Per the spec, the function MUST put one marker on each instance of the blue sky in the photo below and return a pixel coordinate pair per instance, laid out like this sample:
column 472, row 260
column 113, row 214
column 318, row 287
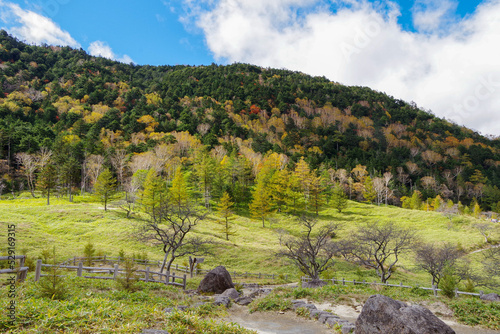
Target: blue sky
column 440, row 54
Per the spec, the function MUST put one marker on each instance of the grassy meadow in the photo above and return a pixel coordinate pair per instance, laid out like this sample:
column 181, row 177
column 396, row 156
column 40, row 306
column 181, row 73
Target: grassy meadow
column 92, row 306
column 70, row 226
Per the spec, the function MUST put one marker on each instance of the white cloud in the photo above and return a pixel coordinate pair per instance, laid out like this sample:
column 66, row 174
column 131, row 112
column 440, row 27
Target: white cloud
column 445, row 66
column 102, row 49
column 33, row 27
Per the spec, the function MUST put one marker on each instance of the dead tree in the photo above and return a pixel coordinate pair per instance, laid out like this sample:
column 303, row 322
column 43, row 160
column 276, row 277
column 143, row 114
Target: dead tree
column 378, row 246
column 434, row 258
column 313, row 251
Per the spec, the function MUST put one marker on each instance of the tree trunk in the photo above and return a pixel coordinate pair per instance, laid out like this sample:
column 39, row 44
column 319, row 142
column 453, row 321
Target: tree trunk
column 164, row 262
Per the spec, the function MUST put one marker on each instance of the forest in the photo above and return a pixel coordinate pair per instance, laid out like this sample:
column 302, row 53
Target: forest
column 259, row 138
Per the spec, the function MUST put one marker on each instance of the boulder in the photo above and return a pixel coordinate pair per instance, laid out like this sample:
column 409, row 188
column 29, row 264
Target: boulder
column 217, row 280
column 492, row 297
column 382, row 314
column 314, row 284
column 231, row 293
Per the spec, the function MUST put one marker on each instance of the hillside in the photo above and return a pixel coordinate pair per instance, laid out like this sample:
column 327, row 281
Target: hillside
column 79, row 106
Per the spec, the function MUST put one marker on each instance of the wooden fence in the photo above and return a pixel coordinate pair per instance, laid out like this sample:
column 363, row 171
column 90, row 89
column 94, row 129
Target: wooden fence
column 185, row 269
column 21, row 271
column 149, row 276
column 400, row 285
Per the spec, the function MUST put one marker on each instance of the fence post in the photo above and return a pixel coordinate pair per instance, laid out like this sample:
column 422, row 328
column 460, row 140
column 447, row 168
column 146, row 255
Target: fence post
column 481, row 293
column 273, row 276
column 259, row 275
column 176, row 266
column 343, row 281
column 400, row 284
column 104, row 259
column 456, row 292
column 147, row 275
column 184, row 282
column 286, row 277
column 434, row 288
column 173, row 277
column 333, row 281
column 38, row 270
column 74, row 260
column 80, row 269
column 115, row 274
column 364, row 282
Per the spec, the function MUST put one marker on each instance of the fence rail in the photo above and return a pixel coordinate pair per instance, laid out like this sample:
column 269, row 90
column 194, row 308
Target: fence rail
column 185, row 269
column 400, row 285
column 21, row 271
column 149, row 276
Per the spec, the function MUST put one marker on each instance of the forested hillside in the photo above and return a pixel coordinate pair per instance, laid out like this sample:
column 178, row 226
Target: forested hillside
column 249, row 131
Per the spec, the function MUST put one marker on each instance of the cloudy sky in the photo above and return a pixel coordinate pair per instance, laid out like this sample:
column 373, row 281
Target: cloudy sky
column 442, row 54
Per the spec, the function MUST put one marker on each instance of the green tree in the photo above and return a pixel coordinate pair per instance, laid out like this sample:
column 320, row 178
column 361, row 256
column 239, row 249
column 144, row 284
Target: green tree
column 47, row 180
column 178, row 192
column 224, row 208
column 261, row 206
column 339, row 198
column 369, row 192
column 105, row 187
column 153, row 193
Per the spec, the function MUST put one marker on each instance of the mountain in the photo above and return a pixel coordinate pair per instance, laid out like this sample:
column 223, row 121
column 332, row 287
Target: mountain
column 77, row 105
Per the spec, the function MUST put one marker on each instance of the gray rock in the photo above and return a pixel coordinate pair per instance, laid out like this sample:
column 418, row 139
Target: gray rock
column 348, row 328
column 492, row 297
column 231, row 293
column 217, row 280
column 169, row 310
column 314, row 284
column 243, row 300
column 154, row 331
column 220, row 300
column 382, row 314
column 316, row 313
column 323, row 317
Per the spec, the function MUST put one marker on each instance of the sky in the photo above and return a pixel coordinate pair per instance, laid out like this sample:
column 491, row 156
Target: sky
column 444, row 55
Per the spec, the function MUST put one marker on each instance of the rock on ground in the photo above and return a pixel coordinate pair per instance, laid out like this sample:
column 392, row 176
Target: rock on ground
column 385, row 315
column 492, row 297
column 217, row 281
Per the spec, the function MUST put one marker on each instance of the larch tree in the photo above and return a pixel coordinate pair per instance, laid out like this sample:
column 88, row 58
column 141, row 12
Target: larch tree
column 261, row 205
column 47, row 180
column 339, row 198
column 105, row 187
column 225, row 210
column 29, row 166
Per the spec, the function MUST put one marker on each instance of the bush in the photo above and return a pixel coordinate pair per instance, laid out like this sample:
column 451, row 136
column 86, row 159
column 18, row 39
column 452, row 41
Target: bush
column 53, row 286
column 128, row 282
column 89, row 252
column 448, row 282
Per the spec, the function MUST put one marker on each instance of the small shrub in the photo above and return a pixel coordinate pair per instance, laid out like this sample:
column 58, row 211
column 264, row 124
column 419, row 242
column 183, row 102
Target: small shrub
column 238, row 287
column 129, row 281
column 121, row 254
column 469, row 286
column 448, row 282
column 53, row 286
column 89, row 252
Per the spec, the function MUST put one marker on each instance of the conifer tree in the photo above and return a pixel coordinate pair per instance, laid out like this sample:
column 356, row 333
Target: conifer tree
column 224, row 208
column 178, row 192
column 339, row 198
column 105, row 187
column 369, row 192
column 47, row 180
column 154, row 192
column 260, row 207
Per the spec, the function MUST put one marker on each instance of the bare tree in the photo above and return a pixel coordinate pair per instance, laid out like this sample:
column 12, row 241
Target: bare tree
column 170, row 225
column 28, row 161
column 434, row 258
column 119, row 162
column 131, row 187
column 93, row 168
column 485, row 229
column 378, row 246
column 313, row 251
column 491, row 261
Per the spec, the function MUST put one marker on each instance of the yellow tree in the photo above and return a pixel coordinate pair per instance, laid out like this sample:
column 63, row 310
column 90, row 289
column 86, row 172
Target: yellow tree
column 260, row 207
column 225, row 210
column 317, row 197
column 369, row 192
column 178, row 194
column 279, row 185
column 154, row 193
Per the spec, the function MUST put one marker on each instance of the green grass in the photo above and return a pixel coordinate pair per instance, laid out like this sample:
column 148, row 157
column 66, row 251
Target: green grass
column 96, row 306
column 70, row 226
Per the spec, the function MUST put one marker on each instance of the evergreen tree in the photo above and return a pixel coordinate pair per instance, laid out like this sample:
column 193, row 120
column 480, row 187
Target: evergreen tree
column 339, row 198
column 369, row 192
column 224, row 208
column 105, row 187
column 154, row 192
column 47, row 180
column 178, row 192
column 260, row 207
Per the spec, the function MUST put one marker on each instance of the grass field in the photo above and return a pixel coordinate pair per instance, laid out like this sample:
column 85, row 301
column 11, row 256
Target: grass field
column 95, row 306
column 70, row 226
